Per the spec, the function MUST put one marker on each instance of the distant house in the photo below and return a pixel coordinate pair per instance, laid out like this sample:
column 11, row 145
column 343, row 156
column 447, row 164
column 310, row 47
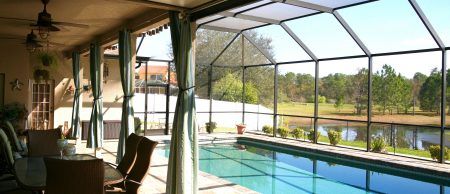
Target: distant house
column 156, row 78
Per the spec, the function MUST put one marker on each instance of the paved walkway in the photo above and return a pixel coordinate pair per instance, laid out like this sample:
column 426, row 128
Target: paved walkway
column 155, row 181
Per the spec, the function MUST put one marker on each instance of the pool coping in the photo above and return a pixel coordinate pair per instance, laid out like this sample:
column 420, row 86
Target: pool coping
column 426, row 167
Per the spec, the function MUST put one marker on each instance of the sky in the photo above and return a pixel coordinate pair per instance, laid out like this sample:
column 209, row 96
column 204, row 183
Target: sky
column 383, row 26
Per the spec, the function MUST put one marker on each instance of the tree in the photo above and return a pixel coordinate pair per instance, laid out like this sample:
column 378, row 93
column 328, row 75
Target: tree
column 305, row 87
column 417, row 82
column 210, row 43
column 334, row 87
column 384, row 88
column 229, row 88
column 404, row 93
column 359, row 89
column 430, row 92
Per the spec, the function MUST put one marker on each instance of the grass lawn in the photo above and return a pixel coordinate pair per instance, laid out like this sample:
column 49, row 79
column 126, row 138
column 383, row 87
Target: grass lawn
column 362, row 144
column 348, row 112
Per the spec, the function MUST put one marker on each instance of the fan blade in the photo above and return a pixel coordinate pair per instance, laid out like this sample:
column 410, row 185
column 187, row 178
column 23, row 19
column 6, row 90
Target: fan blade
column 51, row 43
column 70, row 24
column 17, row 19
column 51, row 28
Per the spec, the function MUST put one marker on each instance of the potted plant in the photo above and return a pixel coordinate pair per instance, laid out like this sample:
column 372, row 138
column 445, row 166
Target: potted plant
column 267, row 129
column 311, row 135
column 435, row 152
column 334, row 136
column 41, row 74
column 379, row 145
column 210, row 126
column 47, row 59
column 283, row 131
column 13, row 112
column 241, row 128
column 297, row 133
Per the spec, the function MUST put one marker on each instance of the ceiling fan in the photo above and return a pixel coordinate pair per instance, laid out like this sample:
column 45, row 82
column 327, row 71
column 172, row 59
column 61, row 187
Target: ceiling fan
column 32, row 43
column 44, row 24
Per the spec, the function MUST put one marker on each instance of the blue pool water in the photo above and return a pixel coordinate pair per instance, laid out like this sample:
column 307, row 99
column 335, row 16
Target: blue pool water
column 267, row 171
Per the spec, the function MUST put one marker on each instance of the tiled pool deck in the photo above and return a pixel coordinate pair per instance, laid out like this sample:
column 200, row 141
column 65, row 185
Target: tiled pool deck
column 155, row 181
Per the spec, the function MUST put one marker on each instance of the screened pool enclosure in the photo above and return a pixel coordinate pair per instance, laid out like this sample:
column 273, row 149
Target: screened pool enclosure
column 368, row 69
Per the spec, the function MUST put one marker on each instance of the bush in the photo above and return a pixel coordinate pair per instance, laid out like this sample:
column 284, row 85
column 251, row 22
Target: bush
column 435, row 152
column 311, row 135
column 267, row 129
column 379, row 144
column 297, row 133
column 321, row 99
column 334, row 136
column 283, row 131
column 210, row 126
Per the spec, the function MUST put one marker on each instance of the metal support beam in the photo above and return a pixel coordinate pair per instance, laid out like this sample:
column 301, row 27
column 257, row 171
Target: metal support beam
column 263, row 51
column 316, row 100
column 210, row 71
column 369, row 103
column 249, row 17
column 225, row 48
column 166, row 129
column 351, row 33
column 243, row 94
column 443, row 103
column 299, row 42
column 140, row 43
column 243, row 77
column 307, row 5
column 275, row 101
column 146, row 98
column 222, row 29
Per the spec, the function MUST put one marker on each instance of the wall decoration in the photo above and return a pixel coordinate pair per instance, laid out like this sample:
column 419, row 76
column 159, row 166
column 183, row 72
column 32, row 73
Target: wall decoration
column 16, row 84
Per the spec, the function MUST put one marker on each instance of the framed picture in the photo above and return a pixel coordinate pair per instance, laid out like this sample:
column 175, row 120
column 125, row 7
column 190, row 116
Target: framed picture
column 2, row 89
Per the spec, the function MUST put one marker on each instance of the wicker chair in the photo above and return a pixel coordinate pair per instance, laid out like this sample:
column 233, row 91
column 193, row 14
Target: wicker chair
column 12, row 135
column 74, row 176
column 6, row 150
column 130, row 154
column 8, row 183
column 43, row 142
column 134, row 179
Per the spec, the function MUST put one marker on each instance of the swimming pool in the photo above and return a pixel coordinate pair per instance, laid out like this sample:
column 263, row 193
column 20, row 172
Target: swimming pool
column 271, row 170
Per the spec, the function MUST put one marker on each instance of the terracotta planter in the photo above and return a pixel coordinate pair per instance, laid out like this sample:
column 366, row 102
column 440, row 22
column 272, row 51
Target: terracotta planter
column 240, row 128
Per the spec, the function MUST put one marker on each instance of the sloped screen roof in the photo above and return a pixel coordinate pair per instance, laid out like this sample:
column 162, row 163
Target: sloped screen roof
column 347, row 24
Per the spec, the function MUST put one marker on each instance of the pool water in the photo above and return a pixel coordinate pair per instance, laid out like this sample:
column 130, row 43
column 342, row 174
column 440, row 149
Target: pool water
column 266, row 170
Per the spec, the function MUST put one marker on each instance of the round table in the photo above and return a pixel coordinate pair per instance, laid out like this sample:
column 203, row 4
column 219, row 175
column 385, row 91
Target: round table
column 31, row 172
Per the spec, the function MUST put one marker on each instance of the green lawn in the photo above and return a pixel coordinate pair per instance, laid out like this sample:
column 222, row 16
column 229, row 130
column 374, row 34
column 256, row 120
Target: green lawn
column 362, row 145
column 307, row 109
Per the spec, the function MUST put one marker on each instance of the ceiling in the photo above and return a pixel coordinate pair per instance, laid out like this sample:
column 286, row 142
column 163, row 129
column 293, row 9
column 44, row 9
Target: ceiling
column 102, row 16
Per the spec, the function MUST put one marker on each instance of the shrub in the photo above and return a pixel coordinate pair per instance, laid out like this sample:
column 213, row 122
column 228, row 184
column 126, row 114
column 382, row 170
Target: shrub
column 435, row 152
column 379, row 144
column 283, row 131
column 311, row 135
column 334, row 136
column 210, row 126
column 267, row 129
column 297, row 133
column 322, row 99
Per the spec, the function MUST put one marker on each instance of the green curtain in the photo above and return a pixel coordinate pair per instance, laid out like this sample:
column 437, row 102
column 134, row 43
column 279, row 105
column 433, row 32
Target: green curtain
column 75, row 125
column 127, row 78
column 95, row 133
column 183, row 158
